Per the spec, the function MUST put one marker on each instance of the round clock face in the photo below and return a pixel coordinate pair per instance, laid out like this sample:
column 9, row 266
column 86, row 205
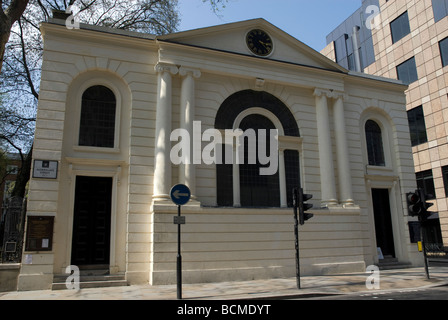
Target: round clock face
column 259, row 42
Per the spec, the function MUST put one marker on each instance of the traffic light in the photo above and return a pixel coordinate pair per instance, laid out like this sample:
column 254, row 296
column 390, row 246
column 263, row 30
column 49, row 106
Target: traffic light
column 425, row 214
column 303, row 206
column 415, row 205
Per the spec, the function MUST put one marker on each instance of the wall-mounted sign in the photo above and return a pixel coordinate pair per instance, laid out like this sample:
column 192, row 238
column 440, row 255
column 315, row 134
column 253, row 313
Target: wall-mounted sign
column 10, row 246
column 45, row 169
column 39, row 233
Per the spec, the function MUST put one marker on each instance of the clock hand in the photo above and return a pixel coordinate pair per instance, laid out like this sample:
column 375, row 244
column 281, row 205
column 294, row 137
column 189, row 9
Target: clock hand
column 262, row 43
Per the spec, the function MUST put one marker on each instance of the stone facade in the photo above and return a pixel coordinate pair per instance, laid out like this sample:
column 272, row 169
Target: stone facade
column 167, row 82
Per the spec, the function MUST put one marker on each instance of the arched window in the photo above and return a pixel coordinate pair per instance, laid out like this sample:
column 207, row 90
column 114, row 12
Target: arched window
column 256, row 110
column 97, row 125
column 374, row 141
column 257, row 190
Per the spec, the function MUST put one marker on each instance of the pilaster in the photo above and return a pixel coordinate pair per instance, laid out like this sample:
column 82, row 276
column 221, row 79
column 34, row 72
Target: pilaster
column 162, row 164
column 187, row 171
column 343, row 162
column 327, row 178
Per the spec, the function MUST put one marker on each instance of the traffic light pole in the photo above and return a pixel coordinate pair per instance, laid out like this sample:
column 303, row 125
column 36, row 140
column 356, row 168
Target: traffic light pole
column 296, row 234
column 425, row 258
column 300, row 217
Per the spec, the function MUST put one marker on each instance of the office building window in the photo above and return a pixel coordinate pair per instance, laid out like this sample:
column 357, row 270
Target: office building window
column 407, row 71
column 417, row 126
column 443, row 45
column 440, row 9
column 350, row 53
column 445, row 179
column 400, row 27
column 425, row 181
column 340, row 46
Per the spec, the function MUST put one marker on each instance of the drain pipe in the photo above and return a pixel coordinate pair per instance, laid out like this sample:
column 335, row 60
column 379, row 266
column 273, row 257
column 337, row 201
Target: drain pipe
column 355, row 43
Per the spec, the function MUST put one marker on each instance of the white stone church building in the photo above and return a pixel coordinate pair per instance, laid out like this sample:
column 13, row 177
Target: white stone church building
column 102, row 171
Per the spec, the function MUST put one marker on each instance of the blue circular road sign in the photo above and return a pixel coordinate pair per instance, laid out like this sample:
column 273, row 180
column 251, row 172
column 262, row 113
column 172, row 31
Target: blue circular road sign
column 180, row 194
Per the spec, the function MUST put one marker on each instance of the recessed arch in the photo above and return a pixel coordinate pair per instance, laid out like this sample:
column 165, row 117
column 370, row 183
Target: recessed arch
column 242, row 100
column 113, row 160
column 386, row 126
column 82, row 82
column 234, row 111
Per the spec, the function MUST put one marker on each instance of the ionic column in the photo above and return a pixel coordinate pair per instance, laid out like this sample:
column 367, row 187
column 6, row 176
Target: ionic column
column 162, row 163
column 187, row 172
column 325, row 150
column 345, row 179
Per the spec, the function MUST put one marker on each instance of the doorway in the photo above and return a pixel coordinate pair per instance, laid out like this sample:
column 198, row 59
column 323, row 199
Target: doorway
column 92, row 222
column 383, row 222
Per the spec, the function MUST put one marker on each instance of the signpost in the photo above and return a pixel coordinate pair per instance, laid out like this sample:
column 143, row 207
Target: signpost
column 180, row 194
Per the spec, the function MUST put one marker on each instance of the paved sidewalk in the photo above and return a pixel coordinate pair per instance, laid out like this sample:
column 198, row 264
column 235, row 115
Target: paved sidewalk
column 274, row 289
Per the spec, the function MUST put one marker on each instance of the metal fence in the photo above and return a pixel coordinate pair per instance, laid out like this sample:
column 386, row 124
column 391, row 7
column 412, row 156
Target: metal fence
column 13, row 224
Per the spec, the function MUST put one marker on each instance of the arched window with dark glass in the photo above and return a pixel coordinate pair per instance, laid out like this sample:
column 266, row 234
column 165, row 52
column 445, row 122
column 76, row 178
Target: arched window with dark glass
column 253, row 189
column 97, row 125
column 374, row 141
column 257, row 190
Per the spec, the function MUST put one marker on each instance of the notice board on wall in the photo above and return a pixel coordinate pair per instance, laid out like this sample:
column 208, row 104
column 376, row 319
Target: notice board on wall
column 39, row 233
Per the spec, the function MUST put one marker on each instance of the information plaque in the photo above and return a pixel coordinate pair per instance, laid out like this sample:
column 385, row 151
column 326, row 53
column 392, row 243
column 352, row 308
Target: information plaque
column 45, row 169
column 39, row 233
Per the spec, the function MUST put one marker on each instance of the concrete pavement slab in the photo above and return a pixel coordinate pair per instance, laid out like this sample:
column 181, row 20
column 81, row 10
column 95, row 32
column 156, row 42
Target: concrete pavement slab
column 242, row 290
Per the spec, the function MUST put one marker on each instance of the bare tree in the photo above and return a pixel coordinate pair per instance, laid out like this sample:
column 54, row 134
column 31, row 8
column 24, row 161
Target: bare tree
column 22, row 54
column 10, row 12
column 20, row 75
column 216, row 5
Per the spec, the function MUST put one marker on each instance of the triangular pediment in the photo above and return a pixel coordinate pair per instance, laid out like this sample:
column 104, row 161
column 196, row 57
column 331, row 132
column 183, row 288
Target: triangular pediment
column 232, row 38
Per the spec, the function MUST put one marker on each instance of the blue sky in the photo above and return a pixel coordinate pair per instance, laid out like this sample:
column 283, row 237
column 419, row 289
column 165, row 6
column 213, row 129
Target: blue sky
column 310, row 21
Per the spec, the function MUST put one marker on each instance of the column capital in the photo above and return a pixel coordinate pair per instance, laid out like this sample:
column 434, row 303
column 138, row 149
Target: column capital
column 330, row 93
column 319, row 92
column 166, row 67
column 183, row 71
column 335, row 94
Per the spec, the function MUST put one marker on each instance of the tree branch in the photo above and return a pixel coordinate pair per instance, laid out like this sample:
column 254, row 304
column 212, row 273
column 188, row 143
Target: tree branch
column 16, row 9
column 25, row 64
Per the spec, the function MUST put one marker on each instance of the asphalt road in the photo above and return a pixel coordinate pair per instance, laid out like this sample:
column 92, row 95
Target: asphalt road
column 431, row 293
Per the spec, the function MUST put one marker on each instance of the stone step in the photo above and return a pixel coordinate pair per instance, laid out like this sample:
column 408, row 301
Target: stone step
column 91, row 281
column 392, row 263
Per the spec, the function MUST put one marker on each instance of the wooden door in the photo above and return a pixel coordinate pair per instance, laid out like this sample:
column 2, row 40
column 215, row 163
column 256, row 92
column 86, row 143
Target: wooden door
column 92, row 217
